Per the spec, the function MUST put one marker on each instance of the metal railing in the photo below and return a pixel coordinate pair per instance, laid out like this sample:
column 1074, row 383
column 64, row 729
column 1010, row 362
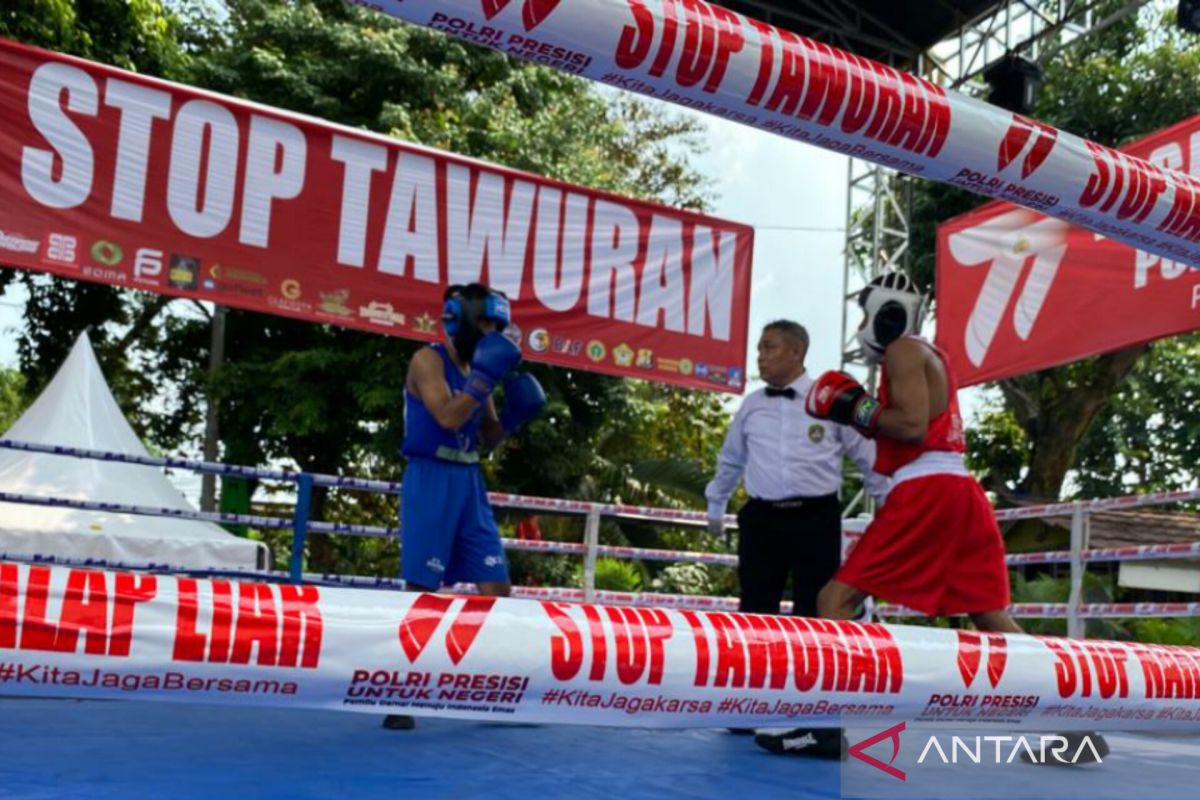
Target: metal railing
column 302, row 524
column 1077, row 556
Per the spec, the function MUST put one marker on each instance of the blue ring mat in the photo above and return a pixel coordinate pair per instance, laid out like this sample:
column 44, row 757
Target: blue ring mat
column 131, row 750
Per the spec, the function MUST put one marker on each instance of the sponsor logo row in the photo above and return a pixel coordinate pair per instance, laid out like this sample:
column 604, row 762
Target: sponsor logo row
column 540, row 340
column 153, row 268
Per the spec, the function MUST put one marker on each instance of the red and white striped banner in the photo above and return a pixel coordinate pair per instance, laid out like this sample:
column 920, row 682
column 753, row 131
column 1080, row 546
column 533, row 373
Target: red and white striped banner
column 710, row 59
column 93, row 634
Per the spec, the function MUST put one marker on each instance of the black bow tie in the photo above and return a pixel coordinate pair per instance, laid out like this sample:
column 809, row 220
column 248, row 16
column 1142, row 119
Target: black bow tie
column 789, row 392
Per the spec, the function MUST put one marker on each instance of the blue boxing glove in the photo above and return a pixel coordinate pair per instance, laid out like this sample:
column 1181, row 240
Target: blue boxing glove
column 494, row 356
column 524, row 399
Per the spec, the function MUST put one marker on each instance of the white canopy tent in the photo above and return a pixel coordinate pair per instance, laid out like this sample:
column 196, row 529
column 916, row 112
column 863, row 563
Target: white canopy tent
column 77, row 409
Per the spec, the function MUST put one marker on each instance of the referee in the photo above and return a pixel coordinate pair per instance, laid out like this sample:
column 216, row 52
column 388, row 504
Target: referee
column 793, row 470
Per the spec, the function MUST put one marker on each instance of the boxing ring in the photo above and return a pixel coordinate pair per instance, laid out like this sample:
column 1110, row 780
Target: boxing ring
column 262, row 666
column 137, row 748
column 590, row 548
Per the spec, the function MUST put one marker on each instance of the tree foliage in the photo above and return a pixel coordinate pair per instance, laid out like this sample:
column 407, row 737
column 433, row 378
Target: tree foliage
column 12, row 402
column 138, row 35
column 329, row 399
column 333, row 397
column 1149, row 437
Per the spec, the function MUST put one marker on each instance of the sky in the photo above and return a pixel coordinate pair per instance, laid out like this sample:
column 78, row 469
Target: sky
column 11, row 305
column 795, row 197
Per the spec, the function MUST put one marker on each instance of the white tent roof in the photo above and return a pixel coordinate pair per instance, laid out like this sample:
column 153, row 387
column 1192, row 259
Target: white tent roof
column 77, row 409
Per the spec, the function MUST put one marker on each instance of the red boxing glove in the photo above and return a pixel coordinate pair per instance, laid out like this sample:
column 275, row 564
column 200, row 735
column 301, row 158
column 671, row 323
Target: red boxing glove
column 838, row 397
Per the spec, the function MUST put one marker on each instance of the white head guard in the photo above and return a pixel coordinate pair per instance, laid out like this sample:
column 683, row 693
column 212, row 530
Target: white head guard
column 894, row 307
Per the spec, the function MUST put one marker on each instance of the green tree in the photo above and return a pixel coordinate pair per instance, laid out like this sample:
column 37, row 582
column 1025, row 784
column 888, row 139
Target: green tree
column 329, row 399
column 1122, row 83
column 1149, row 435
column 12, row 400
column 139, row 35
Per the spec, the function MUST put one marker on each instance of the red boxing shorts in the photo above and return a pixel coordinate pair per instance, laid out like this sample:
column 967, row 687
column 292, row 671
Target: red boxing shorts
column 934, row 547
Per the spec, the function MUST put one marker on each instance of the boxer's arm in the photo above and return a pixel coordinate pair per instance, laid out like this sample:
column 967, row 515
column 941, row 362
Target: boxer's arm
column 491, row 431
column 731, row 463
column 906, row 416
column 426, row 381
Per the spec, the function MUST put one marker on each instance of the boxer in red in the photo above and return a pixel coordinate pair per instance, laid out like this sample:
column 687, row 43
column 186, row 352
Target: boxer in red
column 934, row 545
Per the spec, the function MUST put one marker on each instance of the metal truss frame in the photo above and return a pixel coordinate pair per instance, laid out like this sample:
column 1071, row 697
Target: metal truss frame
column 877, row 199
column 877, row 237
column 841, row 23
column 1035, row 30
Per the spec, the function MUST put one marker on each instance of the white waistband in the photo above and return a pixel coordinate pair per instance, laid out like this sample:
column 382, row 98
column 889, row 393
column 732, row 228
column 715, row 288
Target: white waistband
column 935, row 462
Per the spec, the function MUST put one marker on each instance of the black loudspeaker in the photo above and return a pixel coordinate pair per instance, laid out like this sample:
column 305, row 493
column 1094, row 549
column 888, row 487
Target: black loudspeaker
column 1014, row 82
column 1189, row 15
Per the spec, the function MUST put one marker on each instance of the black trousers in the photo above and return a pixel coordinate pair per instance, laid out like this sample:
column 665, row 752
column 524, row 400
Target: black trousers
column 802, row 537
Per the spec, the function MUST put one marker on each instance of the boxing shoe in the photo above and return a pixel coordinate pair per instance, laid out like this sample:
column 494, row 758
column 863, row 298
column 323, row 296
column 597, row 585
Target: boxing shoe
column 828, row 743
column 399, row 722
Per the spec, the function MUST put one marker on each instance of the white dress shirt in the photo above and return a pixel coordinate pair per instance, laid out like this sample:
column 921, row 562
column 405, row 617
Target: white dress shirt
column 786, row 453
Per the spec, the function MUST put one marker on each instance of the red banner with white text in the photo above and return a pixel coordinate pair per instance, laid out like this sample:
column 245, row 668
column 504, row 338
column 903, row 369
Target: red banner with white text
column 117, row 178
column 1019, row 291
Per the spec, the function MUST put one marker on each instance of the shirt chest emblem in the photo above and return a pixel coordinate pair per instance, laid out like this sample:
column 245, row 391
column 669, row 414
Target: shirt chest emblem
column 816, row 433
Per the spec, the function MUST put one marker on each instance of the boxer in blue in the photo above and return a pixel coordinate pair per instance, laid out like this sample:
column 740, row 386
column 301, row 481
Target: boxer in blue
column 447, row 531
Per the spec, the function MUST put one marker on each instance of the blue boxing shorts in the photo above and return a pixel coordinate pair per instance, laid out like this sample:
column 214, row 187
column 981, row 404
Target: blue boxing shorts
column 447, row 532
